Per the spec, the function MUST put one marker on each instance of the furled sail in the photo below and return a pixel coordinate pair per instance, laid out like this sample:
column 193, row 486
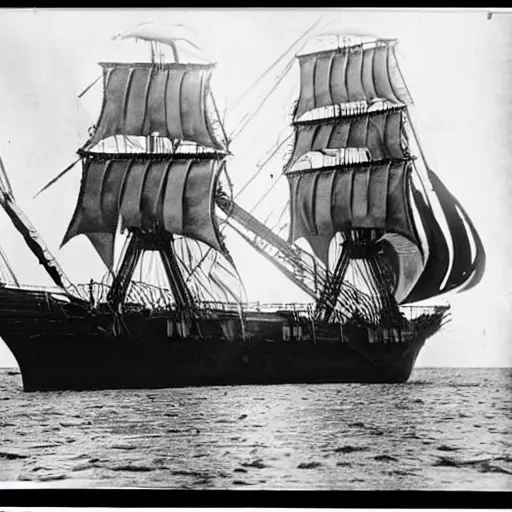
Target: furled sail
column 351, row 73
column 168, row 194
column 170, row 100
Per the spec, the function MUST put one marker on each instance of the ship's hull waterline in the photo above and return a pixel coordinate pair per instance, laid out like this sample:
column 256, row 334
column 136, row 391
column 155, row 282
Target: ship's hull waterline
column 60, row 345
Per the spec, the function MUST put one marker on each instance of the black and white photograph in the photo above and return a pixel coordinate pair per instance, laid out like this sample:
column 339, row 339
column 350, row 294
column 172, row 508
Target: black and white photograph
column 256, row 249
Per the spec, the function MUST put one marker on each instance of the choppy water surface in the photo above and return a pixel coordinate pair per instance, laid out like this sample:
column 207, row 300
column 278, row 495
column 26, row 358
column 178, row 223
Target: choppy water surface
column 444, row 429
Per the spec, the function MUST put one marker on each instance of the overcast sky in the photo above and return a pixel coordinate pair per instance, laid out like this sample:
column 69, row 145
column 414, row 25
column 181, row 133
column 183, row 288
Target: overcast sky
column 457, row 66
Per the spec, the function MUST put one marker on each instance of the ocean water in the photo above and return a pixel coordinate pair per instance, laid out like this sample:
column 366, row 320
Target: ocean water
column 446, row 429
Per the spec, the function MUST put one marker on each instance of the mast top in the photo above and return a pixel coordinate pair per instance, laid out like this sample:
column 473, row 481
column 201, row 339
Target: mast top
column 336, row 35
column 343, row 45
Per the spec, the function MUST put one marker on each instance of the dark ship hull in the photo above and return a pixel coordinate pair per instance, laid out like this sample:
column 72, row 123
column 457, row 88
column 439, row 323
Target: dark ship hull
column 64, row 345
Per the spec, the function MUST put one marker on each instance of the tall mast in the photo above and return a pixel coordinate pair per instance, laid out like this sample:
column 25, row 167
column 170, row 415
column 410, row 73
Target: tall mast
column 165, row 190
column 351, row 172
column 348, row 172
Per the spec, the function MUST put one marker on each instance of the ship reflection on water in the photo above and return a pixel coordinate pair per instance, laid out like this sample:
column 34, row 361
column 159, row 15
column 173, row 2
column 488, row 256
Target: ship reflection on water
column 443, row 430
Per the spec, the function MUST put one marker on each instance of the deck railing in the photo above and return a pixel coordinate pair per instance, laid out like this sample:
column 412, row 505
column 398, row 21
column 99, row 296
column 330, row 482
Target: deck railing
column 148, row 296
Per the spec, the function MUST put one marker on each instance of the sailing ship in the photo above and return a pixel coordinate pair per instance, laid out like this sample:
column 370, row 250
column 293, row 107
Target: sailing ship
column 371, row 231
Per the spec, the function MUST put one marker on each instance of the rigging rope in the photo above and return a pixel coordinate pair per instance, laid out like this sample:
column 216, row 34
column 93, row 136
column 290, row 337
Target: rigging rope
column 276, row 181
column 217, row 113
column 196, row 281
column 261, row 166
column 275, row 63
column 4, row 179
column 58, row 177
column 89, row 87
column 246, row 120
column 7, row 272
column 267, row 218
column 281, row 215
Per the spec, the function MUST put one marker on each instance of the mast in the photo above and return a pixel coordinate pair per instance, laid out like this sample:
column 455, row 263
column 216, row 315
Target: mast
column 351, row 172
column 167, row 188
column 348, row 170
